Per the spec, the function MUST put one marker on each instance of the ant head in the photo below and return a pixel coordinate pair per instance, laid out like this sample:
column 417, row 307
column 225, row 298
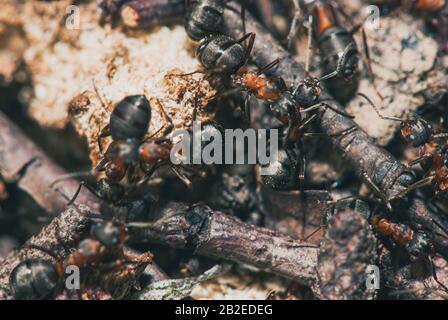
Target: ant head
column 307, row 92
column 108, row 233
column 283, row 107
column 416, row 131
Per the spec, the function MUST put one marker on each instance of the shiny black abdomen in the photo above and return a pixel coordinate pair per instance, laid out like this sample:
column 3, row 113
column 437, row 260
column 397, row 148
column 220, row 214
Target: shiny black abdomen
column 130, row 118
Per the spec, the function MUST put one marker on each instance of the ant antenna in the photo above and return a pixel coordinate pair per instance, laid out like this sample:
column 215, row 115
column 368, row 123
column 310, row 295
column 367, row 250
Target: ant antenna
column 70, row 176
column 339, row 66
column 376, row 109
column 310, row 40
column 295, row 25
column 103, row 104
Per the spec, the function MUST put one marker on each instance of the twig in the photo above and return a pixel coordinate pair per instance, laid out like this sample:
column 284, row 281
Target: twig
column 23, row 162
column 213, row 233
column 145, row 13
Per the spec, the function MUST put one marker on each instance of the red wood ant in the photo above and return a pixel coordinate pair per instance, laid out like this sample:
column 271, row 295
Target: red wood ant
column 337, row 46
column 417, row 244
column 129, row 122
column 42, row 279
column 417, row 132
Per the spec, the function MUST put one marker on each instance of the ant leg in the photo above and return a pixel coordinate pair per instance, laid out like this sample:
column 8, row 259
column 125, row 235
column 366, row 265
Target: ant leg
column 296, row 25
column 148, row 174
column 101, row 165
column 434, row 274
column 182, row 75
column 310, row 44
column 105, row 132
column 167, row 119
column 376, row 190
column 369, row 62
column 103, row 103
column 323, row 134
column 268, row 66
column 313, row 232
column 324, row 105
column 25, row 167
column 424, row 157
column 281, row 83
column 419, row 184
column 247, row 106
column 182, row 177
column 307, row 122
column 250, row 46
column 81, row 184
column 293, row 124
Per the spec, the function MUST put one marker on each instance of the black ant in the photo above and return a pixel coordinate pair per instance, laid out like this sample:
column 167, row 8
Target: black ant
column 336, row 45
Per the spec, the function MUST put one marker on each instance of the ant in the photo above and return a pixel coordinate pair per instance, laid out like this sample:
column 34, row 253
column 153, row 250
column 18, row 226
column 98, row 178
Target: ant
column 417, row 132
column 337, row 45
column 418, row 245
column 43, row 279
column 128, row 124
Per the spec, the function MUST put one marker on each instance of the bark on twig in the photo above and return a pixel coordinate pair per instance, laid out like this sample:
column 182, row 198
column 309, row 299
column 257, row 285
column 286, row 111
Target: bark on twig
column 23, row 162
column 213, row 233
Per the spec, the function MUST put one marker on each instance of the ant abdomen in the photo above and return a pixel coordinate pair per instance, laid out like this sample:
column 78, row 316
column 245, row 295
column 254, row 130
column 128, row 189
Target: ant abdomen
column 221, row 53
column 130, row 118
column 34, row 279
column 282, row 174
column 204, row 18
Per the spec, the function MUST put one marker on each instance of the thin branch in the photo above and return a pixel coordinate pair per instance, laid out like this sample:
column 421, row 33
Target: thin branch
column 213, row 233
column 23, row 162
